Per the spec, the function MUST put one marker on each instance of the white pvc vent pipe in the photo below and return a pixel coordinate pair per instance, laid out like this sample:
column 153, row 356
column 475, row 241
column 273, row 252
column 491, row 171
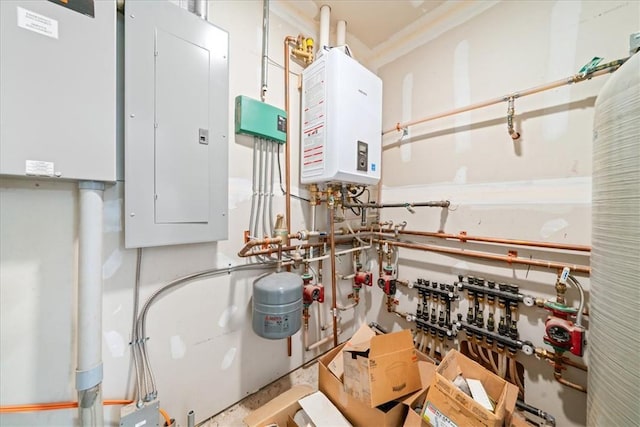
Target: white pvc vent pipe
column 341, row 33
column 614, row 330
column 89, row 321
column 325, row 20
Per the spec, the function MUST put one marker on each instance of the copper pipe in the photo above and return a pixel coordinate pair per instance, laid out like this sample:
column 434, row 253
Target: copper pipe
column 270, row 251
column 287, row 144
column 244, row 252
column 334, row 285
column 502, row 258
column 287, row 151
column 463, row 238
column 558, row 377
column 577, row 365
column 548, row 86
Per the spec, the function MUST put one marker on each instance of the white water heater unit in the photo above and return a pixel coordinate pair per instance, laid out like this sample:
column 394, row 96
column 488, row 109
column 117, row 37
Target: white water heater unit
column 341, row 121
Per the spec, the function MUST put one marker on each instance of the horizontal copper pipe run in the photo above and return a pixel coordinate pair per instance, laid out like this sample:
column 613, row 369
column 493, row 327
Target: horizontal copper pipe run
column 564, row 382
column 244, row 252
column 605, row 69
column 481, row 255
column 463, row 238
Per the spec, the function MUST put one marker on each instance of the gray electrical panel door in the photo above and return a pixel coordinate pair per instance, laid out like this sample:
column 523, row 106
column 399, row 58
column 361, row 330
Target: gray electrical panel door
column 58, row 89
column 176, row 113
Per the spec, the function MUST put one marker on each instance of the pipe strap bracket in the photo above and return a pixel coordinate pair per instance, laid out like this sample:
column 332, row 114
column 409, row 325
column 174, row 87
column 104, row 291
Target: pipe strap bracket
column 91, row 185
column 89, row 378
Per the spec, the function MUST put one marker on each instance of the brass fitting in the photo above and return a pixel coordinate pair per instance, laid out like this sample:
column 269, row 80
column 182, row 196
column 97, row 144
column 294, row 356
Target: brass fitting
column 561, row 290
column 315, row 195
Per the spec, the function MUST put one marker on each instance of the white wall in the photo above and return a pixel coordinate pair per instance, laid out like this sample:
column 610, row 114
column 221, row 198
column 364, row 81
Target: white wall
column 205, row 355
column 538, row 188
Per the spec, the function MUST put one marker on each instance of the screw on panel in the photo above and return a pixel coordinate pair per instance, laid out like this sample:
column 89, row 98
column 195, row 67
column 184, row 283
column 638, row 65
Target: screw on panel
column 132, row 115
column 132, row 214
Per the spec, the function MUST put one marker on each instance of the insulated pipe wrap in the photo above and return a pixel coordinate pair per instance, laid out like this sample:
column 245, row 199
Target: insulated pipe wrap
column 614, row 333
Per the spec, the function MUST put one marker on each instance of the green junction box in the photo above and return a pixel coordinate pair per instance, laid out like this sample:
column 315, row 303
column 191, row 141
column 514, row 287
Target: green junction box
column 260, row 119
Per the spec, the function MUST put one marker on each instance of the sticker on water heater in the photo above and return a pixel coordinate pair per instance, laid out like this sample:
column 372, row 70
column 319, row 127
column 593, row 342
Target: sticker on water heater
column 37, row 23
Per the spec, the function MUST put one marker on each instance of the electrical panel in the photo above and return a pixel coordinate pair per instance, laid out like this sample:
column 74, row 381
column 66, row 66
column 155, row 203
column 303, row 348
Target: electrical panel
column 341, row 121
column 58, row 89
column 176, row 130
column 260, row 119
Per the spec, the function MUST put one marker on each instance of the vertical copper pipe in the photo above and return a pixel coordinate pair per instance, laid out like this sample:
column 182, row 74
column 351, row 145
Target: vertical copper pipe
column 287, row 151
column 334, row 285
column 287, row 144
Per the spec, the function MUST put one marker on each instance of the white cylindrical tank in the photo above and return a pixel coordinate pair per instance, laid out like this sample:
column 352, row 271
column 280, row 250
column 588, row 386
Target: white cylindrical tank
column 277, row 305
column 614, row 321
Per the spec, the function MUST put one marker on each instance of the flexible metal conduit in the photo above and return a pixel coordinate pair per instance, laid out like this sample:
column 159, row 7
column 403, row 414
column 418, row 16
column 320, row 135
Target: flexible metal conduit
column 464, row 237
column 141, row 321
column 576, row 78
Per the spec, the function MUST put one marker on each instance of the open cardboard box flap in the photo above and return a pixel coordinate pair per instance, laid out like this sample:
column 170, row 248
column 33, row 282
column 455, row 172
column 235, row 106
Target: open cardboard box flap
column 361, row 341
column 277, row 410
column 381, row 369
column 363, row 335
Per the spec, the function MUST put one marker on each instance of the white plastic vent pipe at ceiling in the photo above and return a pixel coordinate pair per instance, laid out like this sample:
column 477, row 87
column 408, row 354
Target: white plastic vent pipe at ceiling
column 341, row 33
column 614, row 330
column 325, row 21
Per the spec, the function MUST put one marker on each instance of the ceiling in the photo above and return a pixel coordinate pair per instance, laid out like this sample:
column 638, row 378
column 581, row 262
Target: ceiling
column 374, row 21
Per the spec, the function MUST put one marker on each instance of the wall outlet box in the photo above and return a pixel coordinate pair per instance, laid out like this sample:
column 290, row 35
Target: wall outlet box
column 260, row 119
column 147, row 416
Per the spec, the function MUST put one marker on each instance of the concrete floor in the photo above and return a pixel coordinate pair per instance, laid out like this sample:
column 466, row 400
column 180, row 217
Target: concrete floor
column 233, row 416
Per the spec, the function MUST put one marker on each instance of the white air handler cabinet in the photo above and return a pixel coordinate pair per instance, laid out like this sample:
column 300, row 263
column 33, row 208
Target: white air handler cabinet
column 341, row 121
column 176, row 126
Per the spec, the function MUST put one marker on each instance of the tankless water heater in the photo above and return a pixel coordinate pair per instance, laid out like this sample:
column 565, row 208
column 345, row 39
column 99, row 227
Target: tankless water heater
column 341, row 121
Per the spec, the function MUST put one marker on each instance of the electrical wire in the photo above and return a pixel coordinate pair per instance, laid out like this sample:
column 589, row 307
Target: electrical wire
column 256, row 226
column 254, row 191
column 577, row 284
column 271, row 172
column 37, row 407
column 142, row 317
column 284, row 193
column 134, row 338
column 167, row 418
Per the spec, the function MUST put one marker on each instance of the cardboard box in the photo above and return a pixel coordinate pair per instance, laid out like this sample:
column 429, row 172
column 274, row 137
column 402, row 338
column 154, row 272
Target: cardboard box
column 337, row 363
column 416, row 400
column 357, row 412
column 446, row 402
column 282, row 409
column 321, row 411
column 278, row 410
column 381, row 368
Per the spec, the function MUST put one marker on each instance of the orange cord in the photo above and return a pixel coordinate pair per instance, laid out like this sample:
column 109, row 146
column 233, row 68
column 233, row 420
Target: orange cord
column 67, row 405
column 53, row 406
column 167, row 418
